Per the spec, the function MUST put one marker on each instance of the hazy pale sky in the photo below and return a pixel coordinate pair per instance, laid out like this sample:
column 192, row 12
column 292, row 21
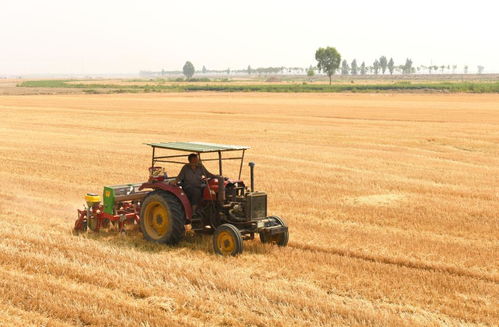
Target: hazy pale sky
column 89, row 37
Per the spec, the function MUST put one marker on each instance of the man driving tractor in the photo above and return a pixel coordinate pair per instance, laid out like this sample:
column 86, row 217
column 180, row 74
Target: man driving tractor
column 192, row 177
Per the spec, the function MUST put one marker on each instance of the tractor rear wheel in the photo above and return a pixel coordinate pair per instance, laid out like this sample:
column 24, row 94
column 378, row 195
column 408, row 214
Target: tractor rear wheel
column 227, row 240
column 279, row 239
column 162, row 218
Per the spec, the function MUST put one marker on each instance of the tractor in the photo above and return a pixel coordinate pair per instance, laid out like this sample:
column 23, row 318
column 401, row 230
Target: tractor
column 230, row 210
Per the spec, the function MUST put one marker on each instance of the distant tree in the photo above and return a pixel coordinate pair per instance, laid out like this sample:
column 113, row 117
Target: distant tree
column 163, row 72
column 228, row 71
column 363, row 68
column 454, row 67
column 188, row 69
column 466, row 69
column 328, row 60
column 391, row 66
column 345, row 69
column 383, row 63
column 204, row 70
column 310, row 71
column 442, row 69
column 353, row 67
column 410, row 68
column 407, row 68
column 249, row 70
column 376, row 66
column 265, row 70
column 480, row 69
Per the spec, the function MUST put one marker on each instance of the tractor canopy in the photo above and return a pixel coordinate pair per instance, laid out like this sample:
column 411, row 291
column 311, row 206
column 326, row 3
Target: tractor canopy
column 199, row 148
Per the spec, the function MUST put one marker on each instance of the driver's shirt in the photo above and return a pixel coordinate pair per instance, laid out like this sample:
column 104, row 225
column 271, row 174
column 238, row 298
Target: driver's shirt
column 193, row 177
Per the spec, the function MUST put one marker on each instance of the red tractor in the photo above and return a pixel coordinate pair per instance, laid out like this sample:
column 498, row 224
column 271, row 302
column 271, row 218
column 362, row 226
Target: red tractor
column 229, row 209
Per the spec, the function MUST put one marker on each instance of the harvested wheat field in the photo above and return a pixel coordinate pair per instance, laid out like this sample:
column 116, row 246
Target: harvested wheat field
column 392, row 202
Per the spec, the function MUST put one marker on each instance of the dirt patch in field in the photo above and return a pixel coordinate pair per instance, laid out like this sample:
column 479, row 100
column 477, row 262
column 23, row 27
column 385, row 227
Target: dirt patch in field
column 164, row 303
column 376, row 200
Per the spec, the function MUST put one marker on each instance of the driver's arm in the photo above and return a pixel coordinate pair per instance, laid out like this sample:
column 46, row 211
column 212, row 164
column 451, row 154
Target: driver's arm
column 207, row 173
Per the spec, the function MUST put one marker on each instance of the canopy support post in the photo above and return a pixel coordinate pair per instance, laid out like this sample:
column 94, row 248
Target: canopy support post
column 241, row 166
column 220, row 162
column 153, row 150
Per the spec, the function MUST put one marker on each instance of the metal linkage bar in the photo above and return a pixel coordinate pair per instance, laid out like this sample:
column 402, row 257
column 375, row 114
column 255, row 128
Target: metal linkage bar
column 172, row 156
column 216, row 159
column 171, row 161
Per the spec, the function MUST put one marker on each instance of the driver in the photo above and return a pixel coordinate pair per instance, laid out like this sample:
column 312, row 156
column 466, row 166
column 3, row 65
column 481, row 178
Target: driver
column 191, row 175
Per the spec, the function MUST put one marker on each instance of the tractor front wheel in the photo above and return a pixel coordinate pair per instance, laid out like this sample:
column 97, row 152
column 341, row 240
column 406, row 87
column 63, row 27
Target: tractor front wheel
column 227, row 240
column 162, row 218
column 279, row 239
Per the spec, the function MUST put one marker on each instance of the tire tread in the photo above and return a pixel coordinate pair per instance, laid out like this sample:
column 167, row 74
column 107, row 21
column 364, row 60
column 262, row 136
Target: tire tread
column 176, row 215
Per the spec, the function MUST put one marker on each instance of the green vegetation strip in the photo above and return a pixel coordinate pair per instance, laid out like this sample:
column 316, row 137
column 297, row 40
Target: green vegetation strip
column 469, row 87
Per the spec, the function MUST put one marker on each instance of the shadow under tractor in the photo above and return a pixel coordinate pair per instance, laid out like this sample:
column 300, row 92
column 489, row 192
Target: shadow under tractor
column 229, row 209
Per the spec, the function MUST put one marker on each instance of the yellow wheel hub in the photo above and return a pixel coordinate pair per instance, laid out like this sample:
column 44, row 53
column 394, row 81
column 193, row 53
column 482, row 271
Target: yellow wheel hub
column 157, row 219
column 226, row 242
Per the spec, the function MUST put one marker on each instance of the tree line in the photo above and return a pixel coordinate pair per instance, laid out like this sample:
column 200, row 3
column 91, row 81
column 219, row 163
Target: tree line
column 329, row 62
column 380, row 65
column 189, row 70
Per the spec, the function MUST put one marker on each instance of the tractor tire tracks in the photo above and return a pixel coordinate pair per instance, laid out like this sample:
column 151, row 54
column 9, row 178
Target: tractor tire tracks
column 400, row 262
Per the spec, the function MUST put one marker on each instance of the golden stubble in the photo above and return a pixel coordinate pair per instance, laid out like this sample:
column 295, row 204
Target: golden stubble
column 392, row 202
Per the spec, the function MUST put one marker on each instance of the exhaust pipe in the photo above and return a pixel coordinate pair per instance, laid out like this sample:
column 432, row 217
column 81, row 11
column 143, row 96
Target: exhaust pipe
column 252, row 175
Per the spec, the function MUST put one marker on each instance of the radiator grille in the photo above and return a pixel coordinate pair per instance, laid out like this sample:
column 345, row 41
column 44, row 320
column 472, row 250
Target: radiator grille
column 256, row 205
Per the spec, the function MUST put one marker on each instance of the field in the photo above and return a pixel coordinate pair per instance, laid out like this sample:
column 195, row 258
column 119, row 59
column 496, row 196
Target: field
column 392, row 202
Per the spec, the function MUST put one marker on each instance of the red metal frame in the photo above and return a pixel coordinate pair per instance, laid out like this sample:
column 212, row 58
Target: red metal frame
column 128, row 213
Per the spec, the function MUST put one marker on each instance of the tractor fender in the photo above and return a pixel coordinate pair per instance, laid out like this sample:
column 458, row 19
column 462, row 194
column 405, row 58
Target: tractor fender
column 175, row 190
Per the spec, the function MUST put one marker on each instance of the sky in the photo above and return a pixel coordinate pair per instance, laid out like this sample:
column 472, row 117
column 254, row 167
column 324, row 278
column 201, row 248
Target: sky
column 111, row 37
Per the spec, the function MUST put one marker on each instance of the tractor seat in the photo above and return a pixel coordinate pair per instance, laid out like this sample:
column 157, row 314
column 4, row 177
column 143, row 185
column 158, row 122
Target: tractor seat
column 157, row 174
